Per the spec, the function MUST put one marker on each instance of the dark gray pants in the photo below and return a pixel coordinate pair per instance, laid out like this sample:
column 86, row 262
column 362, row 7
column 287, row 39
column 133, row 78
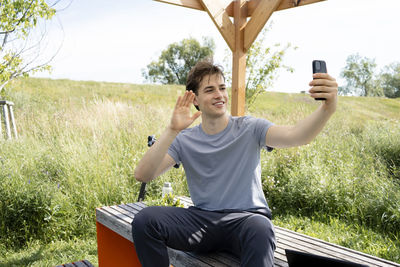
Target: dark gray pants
column 248, row 235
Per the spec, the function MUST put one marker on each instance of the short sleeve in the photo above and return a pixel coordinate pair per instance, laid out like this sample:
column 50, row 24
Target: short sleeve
column 174, row 151
column 261, row 129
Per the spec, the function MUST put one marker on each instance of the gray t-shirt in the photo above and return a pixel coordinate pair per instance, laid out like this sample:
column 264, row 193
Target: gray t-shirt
column 223, row 171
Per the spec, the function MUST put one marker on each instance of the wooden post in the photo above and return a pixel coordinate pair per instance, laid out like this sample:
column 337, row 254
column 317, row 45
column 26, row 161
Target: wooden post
column 242, row 34
column 7, row 120
column 239, row 60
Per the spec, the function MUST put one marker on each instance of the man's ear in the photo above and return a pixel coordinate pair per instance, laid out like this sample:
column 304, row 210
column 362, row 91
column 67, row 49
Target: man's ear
column 195, row 101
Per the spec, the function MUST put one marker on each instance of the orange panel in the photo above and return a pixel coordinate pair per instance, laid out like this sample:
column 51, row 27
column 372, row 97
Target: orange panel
column 114, row 250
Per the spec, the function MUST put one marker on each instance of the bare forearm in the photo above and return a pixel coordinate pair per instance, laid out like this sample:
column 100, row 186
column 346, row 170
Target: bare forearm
column 323, row 86
column 148, row 165
column 306, row 130
column 155, row 161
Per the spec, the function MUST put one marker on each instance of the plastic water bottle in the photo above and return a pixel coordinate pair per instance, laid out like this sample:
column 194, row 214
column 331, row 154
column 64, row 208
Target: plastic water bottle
column 167, row 189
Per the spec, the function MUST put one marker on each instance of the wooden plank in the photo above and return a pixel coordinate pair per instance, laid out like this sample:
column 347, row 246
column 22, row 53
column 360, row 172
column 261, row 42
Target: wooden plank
column 221, row 19
column 224, row 258
column 194, row 4
column 80, row 264
column 7, row 121
column 88, row 263
column 119, row 217
column 10, row 107
column 285, row 4
column 182, row 259
column 260, row 16
column 118, row 214
column 251, row 5
column 137, row 205
column 290, row 239
column 317, row 246
column 313, row 250
column 130, row 209
column 114, row 223
column 213, row 260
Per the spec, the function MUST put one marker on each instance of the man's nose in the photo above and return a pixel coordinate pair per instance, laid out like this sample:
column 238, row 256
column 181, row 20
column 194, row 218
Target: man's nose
column 218, row 93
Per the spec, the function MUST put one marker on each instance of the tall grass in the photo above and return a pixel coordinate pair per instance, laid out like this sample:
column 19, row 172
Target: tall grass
column 79, row 143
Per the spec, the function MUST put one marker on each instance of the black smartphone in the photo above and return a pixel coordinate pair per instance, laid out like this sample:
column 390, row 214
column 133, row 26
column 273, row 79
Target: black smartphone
column 319, row 66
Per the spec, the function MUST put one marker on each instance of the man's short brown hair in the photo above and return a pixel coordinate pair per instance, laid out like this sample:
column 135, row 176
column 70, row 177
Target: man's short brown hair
column 198, row 72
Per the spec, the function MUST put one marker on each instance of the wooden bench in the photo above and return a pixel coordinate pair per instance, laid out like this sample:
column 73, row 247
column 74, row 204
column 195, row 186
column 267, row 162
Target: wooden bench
column 82, row 263
column 115, row 245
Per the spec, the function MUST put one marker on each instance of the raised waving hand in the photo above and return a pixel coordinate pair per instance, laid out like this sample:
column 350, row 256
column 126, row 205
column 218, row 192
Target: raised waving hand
column 182, row 116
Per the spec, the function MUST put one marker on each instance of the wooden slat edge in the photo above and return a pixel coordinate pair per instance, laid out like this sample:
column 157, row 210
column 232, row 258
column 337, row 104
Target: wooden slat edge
column 117, row 225
column 251, row 5
column 123, row 214
column 137, row 205
column 224, row 258
column 221, row 19
column 286, row 4
column 130, row 209
column 194, row 4
column 335, row 245
column 184, row 259
column 325, row 252
column 260, row 16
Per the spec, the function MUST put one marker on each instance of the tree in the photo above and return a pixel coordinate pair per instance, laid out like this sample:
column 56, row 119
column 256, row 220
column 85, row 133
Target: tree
column 359, row 73
column 390, row 78
column 19, row 46
column 262, row 65
column 176, row 61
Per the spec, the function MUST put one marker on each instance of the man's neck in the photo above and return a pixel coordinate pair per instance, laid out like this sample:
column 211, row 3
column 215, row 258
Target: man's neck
column 213, row 126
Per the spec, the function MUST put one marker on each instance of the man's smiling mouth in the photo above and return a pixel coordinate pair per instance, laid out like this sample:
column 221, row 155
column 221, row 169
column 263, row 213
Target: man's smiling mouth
column 219, row 103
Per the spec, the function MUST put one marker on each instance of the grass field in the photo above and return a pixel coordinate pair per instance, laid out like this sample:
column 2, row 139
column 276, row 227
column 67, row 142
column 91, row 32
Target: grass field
column 79, row 143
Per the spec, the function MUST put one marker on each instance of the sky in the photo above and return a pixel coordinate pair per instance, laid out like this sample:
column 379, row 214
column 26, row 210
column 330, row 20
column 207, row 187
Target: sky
column 114, row 40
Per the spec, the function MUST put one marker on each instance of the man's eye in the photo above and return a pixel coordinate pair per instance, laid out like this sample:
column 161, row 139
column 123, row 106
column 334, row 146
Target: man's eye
column 222, row 88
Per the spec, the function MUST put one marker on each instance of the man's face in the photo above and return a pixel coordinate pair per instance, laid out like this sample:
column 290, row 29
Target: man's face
column 212, row 96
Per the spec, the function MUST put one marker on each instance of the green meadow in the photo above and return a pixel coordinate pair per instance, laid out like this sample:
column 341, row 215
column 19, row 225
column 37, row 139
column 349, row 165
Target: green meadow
column 79, row 143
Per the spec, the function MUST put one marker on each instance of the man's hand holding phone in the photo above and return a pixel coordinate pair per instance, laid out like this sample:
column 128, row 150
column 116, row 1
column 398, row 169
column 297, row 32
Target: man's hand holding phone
column 323, row 86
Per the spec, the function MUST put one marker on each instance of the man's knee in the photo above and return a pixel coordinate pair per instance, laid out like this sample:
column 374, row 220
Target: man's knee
column 144, row 221
column 259, row 232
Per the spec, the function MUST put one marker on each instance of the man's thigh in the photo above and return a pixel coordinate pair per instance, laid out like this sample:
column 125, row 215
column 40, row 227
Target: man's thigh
column 180, row 228
column 245, row 230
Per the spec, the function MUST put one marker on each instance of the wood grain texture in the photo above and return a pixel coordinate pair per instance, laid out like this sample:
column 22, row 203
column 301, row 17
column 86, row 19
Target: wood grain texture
column 251, row 5
column 221, row 19
column 118, row 218
column 258, row 19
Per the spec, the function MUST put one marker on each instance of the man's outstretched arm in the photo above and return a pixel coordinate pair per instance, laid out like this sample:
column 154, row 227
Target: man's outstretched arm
column 156, row 160
column 323, row 86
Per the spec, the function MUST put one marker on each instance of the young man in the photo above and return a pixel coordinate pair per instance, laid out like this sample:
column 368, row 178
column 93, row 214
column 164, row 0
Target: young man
column 221, row 158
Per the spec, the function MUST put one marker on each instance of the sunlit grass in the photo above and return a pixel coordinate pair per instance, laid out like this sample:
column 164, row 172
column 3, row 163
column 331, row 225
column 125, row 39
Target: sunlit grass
column 79, row 143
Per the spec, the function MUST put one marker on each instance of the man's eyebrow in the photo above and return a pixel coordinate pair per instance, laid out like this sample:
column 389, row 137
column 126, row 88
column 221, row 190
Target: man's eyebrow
column 208, row 87
column 212, row 87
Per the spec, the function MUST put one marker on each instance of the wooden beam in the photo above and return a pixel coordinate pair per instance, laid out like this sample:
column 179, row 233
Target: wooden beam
column 260, row 16
column 285, row 4
column 251, row 5
column 221, row 19
column 195, row 4
column 239, row 61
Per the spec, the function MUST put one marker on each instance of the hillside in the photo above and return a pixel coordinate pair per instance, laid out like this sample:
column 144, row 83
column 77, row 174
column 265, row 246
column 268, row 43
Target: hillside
column 79, row 142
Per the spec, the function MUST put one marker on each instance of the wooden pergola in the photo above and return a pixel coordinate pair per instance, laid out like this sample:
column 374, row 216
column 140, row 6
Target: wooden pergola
column 240, row 34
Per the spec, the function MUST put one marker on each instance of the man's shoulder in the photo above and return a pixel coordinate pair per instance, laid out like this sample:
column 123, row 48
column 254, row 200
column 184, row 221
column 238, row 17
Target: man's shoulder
column 189, row 132
column 244, row 120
